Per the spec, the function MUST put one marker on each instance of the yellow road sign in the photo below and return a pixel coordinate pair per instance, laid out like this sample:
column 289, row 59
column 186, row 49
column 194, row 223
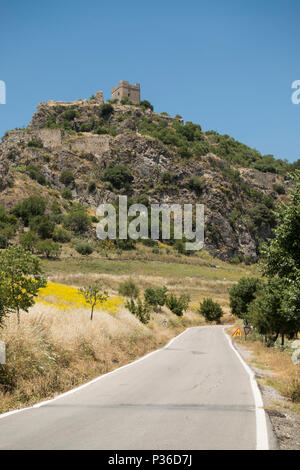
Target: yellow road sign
column 237, row 332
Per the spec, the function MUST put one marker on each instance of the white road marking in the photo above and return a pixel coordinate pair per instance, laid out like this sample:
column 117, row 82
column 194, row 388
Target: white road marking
column 262, row 441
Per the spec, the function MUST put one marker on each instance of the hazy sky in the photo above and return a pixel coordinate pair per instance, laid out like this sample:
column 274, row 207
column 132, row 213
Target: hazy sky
column 225, row 64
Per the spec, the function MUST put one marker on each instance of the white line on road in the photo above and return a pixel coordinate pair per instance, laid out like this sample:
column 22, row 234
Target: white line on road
column 262, row 442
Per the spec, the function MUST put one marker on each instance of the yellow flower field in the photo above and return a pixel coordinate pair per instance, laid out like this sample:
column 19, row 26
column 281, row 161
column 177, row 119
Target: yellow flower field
column 68, row 298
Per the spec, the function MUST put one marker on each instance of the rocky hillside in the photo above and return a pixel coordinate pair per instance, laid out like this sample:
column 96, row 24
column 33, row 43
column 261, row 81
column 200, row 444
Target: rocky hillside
column 89, row 154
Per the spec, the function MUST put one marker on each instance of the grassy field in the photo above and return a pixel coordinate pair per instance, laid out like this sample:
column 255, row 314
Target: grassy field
column 57, row 347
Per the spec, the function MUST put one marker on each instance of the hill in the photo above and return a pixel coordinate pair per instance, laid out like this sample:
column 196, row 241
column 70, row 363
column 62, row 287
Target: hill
column 78, row 155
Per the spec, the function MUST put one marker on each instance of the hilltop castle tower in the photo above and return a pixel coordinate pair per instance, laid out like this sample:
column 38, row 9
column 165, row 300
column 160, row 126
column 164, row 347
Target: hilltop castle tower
column 124, row 89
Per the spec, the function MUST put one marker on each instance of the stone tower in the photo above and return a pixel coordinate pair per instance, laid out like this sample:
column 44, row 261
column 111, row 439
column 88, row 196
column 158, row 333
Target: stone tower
column 124, row 89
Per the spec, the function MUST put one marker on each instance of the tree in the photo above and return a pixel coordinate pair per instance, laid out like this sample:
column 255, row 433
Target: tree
column 119, row 176
column 21, row 278
column 48, row 248
column 66, row 177
column 93, row 295
column 42, row 225
column 282, row 253
column 242, row 294
column 178, row 305
column 140, row 309
column 78, row 220
column 30, row 207
column 147, row 105
column 129, row 289
column 211, row 310
column 28, row 240
column 156, row 297
column 106, row 110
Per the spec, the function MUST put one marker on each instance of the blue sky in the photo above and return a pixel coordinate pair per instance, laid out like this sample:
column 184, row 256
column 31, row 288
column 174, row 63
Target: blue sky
column 227, row 65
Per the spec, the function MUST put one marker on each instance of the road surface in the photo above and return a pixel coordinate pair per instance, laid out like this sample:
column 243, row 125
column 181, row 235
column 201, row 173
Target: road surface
column 193, row 394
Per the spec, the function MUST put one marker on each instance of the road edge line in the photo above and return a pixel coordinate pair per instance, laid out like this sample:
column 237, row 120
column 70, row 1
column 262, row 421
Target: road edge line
column 95, row 380
column 262, row 440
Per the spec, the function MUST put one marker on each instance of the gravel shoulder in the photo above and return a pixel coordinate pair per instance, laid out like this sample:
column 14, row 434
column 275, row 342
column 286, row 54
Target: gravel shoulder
column 285, row 422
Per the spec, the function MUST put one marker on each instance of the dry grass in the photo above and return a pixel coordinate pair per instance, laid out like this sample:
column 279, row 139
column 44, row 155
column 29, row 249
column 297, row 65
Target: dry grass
column 286, row 377
column 54, row 350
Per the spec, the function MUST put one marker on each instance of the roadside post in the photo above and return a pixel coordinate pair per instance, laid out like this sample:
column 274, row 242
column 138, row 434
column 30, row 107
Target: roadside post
column 2, row 353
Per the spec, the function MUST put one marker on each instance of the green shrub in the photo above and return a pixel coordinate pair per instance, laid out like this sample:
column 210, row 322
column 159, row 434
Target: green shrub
column 197, row 184
column 278, row 188
column 211, row 310
column 84, row 248
column 140, row 309
column 119, row 176
column 106, row 110
column 61, row 235
column 42, row 225
column 84, row 127
column 156, row 297
column 67, row 194
column 35, row 173
column 242, row 294
column 30, row 207
column 178, row 305
column 129, row 289
column 77, row 220
column 92, row 187
column 48, row 248
column 28, row 240
column 66, row 177
column 147, row 105
column 35, row 143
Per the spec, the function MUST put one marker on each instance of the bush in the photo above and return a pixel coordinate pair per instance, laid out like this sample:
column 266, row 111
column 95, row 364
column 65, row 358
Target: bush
column 106, row 110
column 77, row 220
column 242, row 294
column 35, row 143
column 197, row 184
column 92, row 187
column 30, row 207
column 29, row 240
column 156, row 296
column 35, row 173
column 61, row 235
column 84, row 127
column 140, row 309
column 147, row 105
column 129, row 289
column 211, row 310
column 278, row 188
column 66, row 177
column 178, row 305
column 42, row 225
column 48, row 248
column 84, row 248
column 67, row 194
column 119, row 176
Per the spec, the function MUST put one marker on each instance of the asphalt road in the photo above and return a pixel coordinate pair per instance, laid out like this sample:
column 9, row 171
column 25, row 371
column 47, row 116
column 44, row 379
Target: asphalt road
column 193, row 394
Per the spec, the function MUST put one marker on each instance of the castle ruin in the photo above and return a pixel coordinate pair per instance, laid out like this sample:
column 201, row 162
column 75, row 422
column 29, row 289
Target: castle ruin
column 124, row 89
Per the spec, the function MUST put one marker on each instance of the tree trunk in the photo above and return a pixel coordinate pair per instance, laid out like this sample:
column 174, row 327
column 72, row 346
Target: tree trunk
column 282, row 338
column 92, row 312
column 18, row 316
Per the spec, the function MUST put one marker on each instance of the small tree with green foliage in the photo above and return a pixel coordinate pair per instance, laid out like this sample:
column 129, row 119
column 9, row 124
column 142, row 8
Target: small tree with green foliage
column 211, row 310
column 178, row 305
column 20, row 280
column 156, row 296
column 94, row 295
column 129, row 289
column 242, row 294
